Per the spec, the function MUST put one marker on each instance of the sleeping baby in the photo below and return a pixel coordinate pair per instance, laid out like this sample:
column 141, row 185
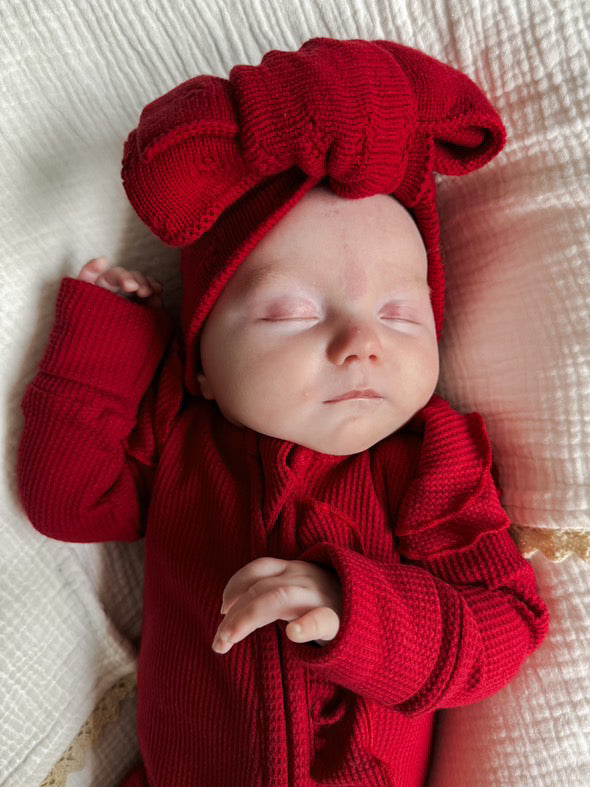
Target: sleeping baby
column 327, row 559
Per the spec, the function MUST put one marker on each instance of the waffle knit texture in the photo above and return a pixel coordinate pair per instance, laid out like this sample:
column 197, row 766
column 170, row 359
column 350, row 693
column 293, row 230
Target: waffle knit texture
column 439, row 607
column 215, row 163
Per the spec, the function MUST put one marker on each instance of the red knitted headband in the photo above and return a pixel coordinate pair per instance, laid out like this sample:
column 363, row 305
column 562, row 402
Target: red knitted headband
column 215, row 163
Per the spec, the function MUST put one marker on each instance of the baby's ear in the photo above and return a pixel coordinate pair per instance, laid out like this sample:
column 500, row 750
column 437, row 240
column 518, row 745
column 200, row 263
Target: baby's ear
column 206, row 389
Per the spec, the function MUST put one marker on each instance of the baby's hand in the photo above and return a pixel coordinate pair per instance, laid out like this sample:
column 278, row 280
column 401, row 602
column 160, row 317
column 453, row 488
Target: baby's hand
column 269, row 589
column 122, row 281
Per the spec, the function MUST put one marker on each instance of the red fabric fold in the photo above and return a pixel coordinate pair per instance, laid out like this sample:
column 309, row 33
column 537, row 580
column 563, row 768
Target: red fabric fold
column 453, row 499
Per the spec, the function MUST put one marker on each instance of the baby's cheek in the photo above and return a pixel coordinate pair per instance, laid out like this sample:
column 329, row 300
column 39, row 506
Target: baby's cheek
column 306, row 393
column 427, row 372
column 415, row 376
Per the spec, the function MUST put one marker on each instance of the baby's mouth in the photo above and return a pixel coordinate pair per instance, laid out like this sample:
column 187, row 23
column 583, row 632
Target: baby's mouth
column 365, row 393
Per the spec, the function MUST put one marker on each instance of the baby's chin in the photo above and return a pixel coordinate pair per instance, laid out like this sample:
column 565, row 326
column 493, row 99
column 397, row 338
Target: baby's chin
column 346, row 440
column 343, row 446
column 350, row 431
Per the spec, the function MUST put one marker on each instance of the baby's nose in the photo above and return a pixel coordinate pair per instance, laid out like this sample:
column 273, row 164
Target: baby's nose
column 355, row 340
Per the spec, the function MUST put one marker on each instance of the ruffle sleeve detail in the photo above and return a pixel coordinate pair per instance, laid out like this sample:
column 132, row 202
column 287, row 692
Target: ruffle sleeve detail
column 453, row 499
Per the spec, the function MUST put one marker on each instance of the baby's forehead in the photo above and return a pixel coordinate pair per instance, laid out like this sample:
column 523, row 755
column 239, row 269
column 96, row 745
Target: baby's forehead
column 330, row 238
column 350, row 276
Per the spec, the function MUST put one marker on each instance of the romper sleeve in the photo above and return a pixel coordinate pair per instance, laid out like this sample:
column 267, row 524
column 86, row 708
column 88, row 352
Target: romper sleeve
column 96, row 416
column 450, row 620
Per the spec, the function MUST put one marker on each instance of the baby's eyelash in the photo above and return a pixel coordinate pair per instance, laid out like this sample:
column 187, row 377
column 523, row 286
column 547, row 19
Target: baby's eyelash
column 399, row 318
column 286, row 319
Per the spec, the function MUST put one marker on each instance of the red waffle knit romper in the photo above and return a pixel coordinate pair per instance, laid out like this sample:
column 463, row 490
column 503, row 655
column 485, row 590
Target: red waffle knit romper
column 439, row 607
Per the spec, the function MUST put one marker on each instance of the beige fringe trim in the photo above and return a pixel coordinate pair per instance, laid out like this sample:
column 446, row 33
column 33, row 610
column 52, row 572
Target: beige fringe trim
column 556, row 545
column 107, row 710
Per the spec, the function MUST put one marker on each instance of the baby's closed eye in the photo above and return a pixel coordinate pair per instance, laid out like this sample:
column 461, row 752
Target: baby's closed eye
column 400, row 316
column 290, row 310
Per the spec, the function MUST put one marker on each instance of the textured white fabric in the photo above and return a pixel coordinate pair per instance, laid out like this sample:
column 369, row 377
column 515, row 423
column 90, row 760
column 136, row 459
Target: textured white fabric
column 75, row 76
column 517, row 243
column 59, row 653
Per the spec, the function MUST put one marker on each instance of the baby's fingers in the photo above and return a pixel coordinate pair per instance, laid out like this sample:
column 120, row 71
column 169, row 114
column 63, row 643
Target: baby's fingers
column 122, row 281
column 147, row 288
column 321, row 623
column 119, row 279
column 93, row 269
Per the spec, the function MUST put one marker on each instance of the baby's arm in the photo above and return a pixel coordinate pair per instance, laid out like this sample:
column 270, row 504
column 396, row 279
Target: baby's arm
column 453, row 622
column 89, row 446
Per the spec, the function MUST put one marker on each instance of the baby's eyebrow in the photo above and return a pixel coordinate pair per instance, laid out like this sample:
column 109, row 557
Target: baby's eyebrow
column 414, row 285
column 421, row 284
column 258, row 276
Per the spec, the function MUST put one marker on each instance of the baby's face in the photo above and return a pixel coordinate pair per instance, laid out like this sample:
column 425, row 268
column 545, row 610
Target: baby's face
column 325, row 335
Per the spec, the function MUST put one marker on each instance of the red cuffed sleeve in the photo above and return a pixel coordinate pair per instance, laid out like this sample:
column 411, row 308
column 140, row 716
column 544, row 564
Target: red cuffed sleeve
column 96, row 415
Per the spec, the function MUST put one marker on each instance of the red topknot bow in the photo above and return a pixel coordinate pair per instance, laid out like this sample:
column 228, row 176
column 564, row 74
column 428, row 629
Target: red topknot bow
column 371, row 117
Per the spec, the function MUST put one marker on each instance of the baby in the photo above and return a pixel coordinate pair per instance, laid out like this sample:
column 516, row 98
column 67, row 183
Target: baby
column 285, row 454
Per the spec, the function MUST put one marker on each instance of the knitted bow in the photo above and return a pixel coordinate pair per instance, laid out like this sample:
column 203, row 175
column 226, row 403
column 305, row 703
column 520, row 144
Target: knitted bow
column 372, row 116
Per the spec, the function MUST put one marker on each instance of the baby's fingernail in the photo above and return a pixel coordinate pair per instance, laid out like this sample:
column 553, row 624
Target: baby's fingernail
column 220, row 646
